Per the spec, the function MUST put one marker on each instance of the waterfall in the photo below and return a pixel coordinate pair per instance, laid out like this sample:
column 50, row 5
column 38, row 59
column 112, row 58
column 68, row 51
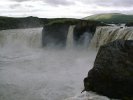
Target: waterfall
column 84, row 40
column 106, row 34
column 21, row 37
column 70, row 41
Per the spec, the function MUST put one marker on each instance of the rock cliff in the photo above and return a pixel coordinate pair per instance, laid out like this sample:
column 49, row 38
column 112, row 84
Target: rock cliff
column 112, row 74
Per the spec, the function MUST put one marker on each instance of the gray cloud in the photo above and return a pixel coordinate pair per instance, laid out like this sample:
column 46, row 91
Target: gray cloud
column 52, row 2
column 13, row 6
column 51, row 8
column 19, row 0
column 122, row 3
column 59, row 2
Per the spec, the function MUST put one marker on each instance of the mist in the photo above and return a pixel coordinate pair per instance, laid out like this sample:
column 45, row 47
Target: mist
column 30, row 72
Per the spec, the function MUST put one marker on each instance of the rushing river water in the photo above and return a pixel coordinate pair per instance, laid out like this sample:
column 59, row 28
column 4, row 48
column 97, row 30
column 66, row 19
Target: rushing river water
column 29, row 72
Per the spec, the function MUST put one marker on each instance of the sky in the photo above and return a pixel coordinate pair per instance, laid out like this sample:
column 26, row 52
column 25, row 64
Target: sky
column 63, row 8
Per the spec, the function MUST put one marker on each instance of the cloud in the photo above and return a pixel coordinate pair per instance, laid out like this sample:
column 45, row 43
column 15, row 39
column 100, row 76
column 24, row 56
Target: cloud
column 13, row 6
column 51, row 2
column 124, row 3
column 20, row 0
column 63, row 8
column 59, row 2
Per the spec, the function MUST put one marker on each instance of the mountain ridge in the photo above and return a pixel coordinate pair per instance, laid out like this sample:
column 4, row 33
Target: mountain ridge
column 111, row 18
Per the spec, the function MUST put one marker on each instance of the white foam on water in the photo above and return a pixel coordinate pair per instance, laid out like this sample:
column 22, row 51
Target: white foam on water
column 88, row 96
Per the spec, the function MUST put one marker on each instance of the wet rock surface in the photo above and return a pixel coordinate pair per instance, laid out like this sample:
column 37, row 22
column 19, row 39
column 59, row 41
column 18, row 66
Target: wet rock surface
column 112, row 74
column 55, row 35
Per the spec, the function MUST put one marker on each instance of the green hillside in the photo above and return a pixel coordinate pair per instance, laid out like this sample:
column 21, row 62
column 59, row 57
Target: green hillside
column 25, row 22
column 30, row 22
column 111, row 18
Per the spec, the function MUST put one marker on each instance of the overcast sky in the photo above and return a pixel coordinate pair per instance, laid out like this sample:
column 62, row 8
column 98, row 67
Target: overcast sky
column 63, row 8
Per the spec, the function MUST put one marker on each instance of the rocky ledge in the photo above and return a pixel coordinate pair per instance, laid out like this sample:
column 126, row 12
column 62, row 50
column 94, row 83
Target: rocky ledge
column 112, row 74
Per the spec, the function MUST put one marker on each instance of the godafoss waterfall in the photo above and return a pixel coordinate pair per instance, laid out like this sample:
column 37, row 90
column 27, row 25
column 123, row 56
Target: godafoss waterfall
column 30, row 70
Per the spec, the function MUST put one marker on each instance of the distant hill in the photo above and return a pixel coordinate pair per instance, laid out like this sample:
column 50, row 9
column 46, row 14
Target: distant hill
column 111, row 18
column 25, row 22
column 31, row 22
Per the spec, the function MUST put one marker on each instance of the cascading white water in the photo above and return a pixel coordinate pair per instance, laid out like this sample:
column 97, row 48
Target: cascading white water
column 86, row 37
column 104, row 35
column 21, row 37
column 70, row 40
column 31, row 73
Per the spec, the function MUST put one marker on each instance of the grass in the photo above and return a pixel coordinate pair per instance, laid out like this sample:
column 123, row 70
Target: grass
column 111, row 18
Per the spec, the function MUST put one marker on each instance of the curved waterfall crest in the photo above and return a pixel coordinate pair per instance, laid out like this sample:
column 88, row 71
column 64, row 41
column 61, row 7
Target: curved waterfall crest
column 21, row 37
column 106, row 34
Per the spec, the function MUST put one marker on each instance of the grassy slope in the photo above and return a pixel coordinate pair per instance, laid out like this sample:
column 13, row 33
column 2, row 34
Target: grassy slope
column 111, row 17
column 29, row 22
column 25, row 22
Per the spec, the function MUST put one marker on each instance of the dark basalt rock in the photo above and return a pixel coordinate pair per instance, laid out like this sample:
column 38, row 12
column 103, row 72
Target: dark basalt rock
column 55, row 35
column 130, row 24
column 55, row 32
column 112, row 74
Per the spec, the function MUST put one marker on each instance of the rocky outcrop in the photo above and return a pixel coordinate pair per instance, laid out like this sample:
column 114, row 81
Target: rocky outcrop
column 112, row 74
column 55, row 32
column 55, row 35
column 129, row 24
column 18, row 23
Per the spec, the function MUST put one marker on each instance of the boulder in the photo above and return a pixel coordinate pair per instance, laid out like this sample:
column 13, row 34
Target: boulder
column 112, row 74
